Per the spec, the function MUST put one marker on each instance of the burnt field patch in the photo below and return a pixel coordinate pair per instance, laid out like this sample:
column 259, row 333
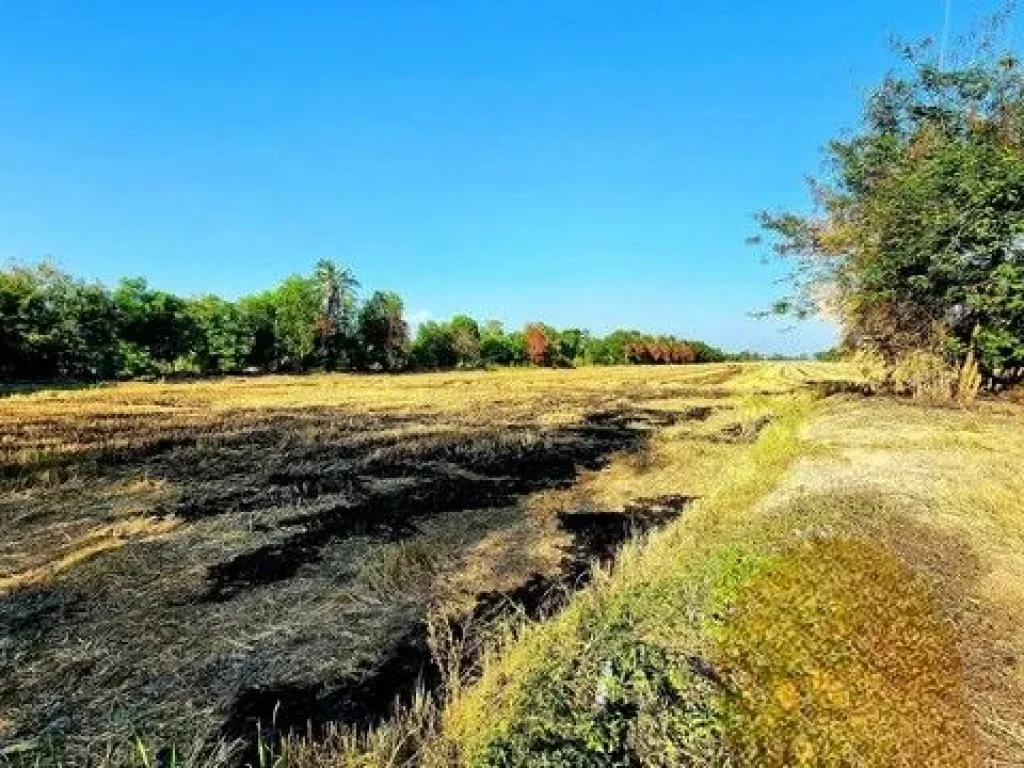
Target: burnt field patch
column 257, row 595
column 450, row 474
column 410, row 664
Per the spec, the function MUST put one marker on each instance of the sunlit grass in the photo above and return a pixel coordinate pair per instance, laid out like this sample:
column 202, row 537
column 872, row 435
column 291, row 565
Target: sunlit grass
column 826, row 618
column 849, row 588
column 655, row 597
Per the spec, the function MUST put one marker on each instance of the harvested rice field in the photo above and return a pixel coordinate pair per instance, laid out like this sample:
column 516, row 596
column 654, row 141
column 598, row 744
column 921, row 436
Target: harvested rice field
column 453, row 568
column 180, row 560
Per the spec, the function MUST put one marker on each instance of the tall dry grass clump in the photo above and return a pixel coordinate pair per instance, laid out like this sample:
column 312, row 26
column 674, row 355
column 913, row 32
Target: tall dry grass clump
column 922, row 375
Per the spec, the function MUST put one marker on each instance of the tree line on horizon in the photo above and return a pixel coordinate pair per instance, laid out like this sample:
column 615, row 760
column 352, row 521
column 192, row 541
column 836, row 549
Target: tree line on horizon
column 54, row 326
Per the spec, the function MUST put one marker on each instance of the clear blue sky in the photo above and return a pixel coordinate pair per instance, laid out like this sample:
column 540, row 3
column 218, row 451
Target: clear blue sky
column 586, row 163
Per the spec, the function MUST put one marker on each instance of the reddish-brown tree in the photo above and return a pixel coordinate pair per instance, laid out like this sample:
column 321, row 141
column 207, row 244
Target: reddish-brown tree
column 659, row 353
column 538, row 346
column 682, row 353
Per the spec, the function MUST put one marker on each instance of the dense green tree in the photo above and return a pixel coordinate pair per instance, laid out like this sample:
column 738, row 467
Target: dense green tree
column 466, row 341
column 15, row 287
column 219, row 341
column 49, row 344
column 54, row 326
column 383, row 332
column 86, row 331
column 611, row 349
column 705, row 353
column 500, row 348
column 918, row 243
column 297, row 309
column 572, row 344
column 258, row 321
column 600, row 350
column 434, row 347
column 134, row 361
column 493, row 344
column 151, row 322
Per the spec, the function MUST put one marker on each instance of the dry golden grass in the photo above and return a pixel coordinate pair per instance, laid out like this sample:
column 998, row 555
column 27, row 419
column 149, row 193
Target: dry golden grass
column 121, row 505
column 872, row 611
column 95, row 542
column 957, row 474
column 852, row 575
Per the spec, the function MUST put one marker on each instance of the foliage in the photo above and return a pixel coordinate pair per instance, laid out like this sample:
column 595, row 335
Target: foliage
column 134, row 361
column 434, row 347
column 152, row 320
column 831, row 355
column 297, row 311
column 660, row 353
column 258, row 329
column 465, row 341
column 625, row 703
column 540, row 348
column 918, row 241
column 624, row 346
column 572, row 343
column 53, row 326
column 383, row 333
column 217, row 344
column 500, row 348
column 462, row 343
column 336, row 322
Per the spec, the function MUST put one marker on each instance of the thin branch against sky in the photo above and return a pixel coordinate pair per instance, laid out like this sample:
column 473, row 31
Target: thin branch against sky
column 947, row 16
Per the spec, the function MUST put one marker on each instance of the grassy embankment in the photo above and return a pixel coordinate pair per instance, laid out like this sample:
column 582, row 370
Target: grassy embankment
column 850, row 591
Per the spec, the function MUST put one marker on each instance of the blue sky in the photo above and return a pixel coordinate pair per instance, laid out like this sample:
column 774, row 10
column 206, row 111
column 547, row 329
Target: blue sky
column 586, row 163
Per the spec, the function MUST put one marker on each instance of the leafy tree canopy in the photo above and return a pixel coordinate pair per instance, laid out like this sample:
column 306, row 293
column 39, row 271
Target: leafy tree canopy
column 383, row 332
column 53, row 326
column 917, row 242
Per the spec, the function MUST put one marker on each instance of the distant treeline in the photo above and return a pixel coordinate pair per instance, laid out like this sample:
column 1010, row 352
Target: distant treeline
column 54, row 326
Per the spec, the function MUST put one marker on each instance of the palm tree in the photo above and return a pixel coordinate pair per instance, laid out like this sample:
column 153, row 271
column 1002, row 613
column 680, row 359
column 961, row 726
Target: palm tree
column 338, row 289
